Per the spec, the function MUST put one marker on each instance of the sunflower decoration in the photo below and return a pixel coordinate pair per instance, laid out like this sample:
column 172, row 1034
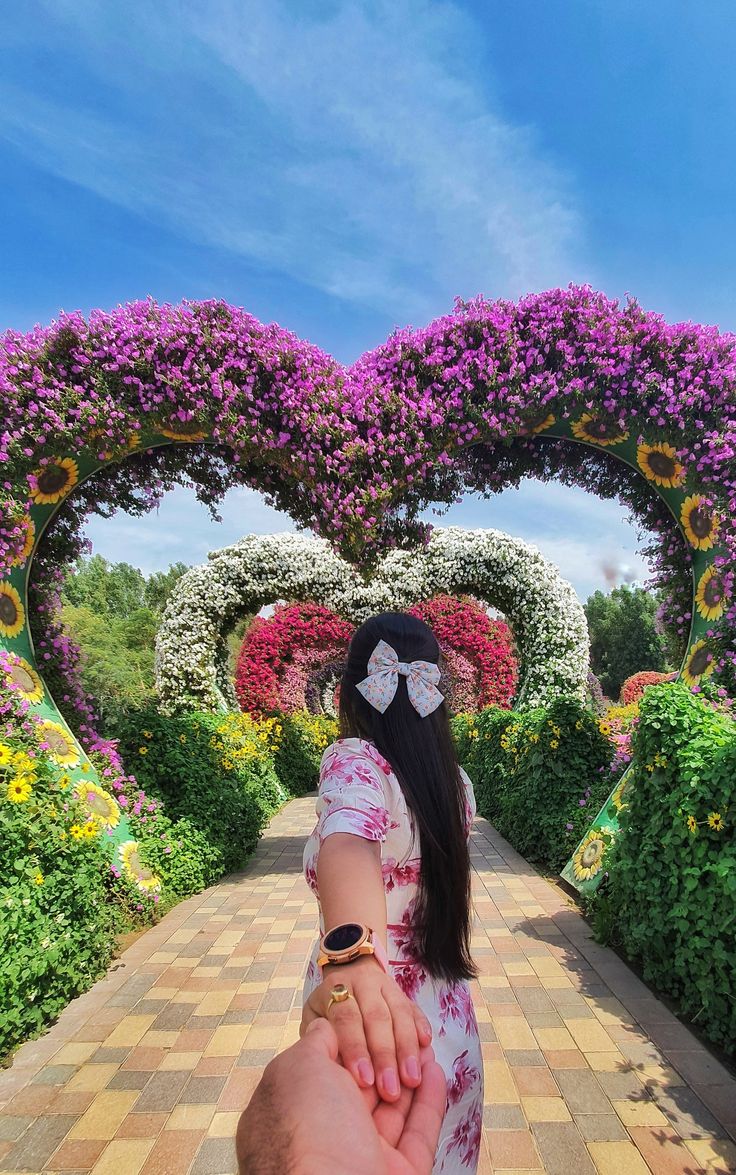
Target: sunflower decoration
column 699, row 663
column 588, row 860
column 23, row 676
column 711, row 595
column 699, row 522
column 29, row 539
column 99, row 803
column 134, row 868
column 538, row 422
column 12, row 612
column 617, row 798
column 183, row 430
column 597, row 431
column 659, row 464
column 6, row 755
column 53, row 482
column 61, row 746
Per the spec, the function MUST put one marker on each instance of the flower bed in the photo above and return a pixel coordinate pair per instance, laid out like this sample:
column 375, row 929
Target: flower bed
column 633, row 688
column 537, row 774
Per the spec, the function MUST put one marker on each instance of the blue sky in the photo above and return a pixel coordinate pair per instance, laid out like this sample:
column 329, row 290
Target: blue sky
column 345, row 167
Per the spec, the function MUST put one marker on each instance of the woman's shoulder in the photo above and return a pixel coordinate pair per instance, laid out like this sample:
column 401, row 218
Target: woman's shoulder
column 356, row 755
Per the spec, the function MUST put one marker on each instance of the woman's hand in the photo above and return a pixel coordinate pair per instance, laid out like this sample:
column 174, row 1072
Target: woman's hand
column 379, row 1030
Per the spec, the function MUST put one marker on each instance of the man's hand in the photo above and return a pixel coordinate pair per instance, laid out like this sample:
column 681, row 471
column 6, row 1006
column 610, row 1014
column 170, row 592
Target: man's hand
column 308, row 1116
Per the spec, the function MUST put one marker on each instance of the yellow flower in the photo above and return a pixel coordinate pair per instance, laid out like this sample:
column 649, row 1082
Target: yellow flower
column 23, row 676
column 99, row 802
column 595, row 431
column 76, row 831
column 692, row 824
column 659, row 464
column 39, row 879
column 699, row 663
column 182, row 738
column 147, row 734
column 588, row 859
column 143, row 750
column 12, row 612
column 715, row 821
column 19, row 789
column 135, row 869
column 64, row 780
column 6, row 755
column 61, row 746
column 22, row 762
column 698, row 522
column 554, row 743
column 90, row 829
column 85, row 768
column 54, row 481
column 710, row 597
column 29, row 540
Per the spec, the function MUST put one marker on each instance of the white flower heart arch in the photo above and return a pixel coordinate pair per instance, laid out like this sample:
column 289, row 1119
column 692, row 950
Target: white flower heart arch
column 545, row 615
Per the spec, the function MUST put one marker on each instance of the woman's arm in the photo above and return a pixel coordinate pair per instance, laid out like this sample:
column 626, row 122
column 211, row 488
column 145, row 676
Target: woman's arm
column 350, row 883
column 380, row 1031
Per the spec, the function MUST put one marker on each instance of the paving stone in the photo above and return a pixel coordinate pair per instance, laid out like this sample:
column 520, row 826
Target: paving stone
column 562, row 1149
column 600, row 1127
column 581, row 1091
column 685, row 1111
column 205, row 1090
column 216, row 1156
column 162, row 1092
column 36, row 1146
column 54, row 1075
column 499, row 1117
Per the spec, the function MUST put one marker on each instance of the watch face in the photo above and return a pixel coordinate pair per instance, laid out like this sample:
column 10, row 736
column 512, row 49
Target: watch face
column 342, row 938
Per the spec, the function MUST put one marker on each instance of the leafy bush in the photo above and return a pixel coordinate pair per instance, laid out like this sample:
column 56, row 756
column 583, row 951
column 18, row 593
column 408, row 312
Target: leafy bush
column 634, row 686
column 539, row 775
column 57, row 919
column 179, row 854
column 215, row 770
column 672, row 892
column 301, row 744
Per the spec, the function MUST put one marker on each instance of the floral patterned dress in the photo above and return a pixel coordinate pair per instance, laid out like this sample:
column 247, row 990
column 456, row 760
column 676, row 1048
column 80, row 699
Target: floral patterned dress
column 359, row 793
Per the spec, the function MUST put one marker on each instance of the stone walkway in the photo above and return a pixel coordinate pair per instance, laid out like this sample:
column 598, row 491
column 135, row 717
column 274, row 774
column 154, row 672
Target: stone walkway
column 585, row 1070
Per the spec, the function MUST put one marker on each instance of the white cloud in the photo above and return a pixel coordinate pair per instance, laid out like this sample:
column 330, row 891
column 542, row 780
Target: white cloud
column 351, row 145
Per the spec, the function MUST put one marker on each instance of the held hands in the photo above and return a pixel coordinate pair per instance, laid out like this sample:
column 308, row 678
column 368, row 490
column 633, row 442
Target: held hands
column 380, row 1032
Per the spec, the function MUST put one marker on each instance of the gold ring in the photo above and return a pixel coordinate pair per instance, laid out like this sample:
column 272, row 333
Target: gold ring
column 338, row 995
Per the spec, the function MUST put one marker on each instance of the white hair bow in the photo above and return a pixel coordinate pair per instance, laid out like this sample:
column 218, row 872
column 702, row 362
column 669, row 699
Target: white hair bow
column 379, row 687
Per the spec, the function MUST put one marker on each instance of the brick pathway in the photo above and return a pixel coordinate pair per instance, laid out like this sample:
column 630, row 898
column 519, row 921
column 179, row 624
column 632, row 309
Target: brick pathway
column 585, row 1070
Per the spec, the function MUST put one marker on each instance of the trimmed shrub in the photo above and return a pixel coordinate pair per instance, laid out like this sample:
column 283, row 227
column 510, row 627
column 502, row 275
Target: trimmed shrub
column 301, row 745
column 633, row 688
column 215, row 770
column 539, row 775
column 671, row 899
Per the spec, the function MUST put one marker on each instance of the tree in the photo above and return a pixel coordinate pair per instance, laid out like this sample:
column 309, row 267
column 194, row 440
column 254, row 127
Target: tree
column 623, row 637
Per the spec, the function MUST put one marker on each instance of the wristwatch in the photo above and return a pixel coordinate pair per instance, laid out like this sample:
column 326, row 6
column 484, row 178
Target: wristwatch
column 349, row 941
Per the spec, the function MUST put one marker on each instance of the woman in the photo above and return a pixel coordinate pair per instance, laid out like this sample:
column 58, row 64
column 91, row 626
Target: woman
column 388, row 862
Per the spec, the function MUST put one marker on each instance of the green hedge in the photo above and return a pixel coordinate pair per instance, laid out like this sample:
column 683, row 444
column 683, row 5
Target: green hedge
column 671, row 898
column 538, row 775
column 214, row 770
column 301, row 744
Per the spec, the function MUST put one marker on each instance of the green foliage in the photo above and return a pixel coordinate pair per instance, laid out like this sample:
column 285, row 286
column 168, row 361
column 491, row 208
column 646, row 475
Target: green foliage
column 672, row 892
column 57, row 919
column 179, row 854
column 215, row 770
column 112, row 612
column 538, row 775
column 301, row 744
column 623, row 638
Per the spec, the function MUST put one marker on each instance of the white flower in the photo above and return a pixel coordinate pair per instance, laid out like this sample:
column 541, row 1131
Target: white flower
column 544, row 613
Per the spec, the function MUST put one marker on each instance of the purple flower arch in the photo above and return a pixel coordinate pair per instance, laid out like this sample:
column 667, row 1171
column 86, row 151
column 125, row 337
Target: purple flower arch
column 473, row 401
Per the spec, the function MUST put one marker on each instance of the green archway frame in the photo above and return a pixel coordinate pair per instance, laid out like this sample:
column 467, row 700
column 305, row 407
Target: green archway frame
column 699, row 527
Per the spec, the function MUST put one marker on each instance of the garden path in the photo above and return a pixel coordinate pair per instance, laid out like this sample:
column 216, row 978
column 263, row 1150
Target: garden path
column 146, row 1073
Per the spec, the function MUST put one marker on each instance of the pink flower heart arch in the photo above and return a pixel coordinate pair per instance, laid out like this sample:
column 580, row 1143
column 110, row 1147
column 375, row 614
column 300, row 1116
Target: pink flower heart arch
column 107, row 412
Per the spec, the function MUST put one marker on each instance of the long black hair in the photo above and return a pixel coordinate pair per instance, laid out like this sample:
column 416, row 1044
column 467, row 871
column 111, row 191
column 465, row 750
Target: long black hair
column 421, row 752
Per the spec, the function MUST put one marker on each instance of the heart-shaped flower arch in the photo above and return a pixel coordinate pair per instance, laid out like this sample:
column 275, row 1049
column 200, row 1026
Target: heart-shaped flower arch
column 546, row 617
column 473, row 401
